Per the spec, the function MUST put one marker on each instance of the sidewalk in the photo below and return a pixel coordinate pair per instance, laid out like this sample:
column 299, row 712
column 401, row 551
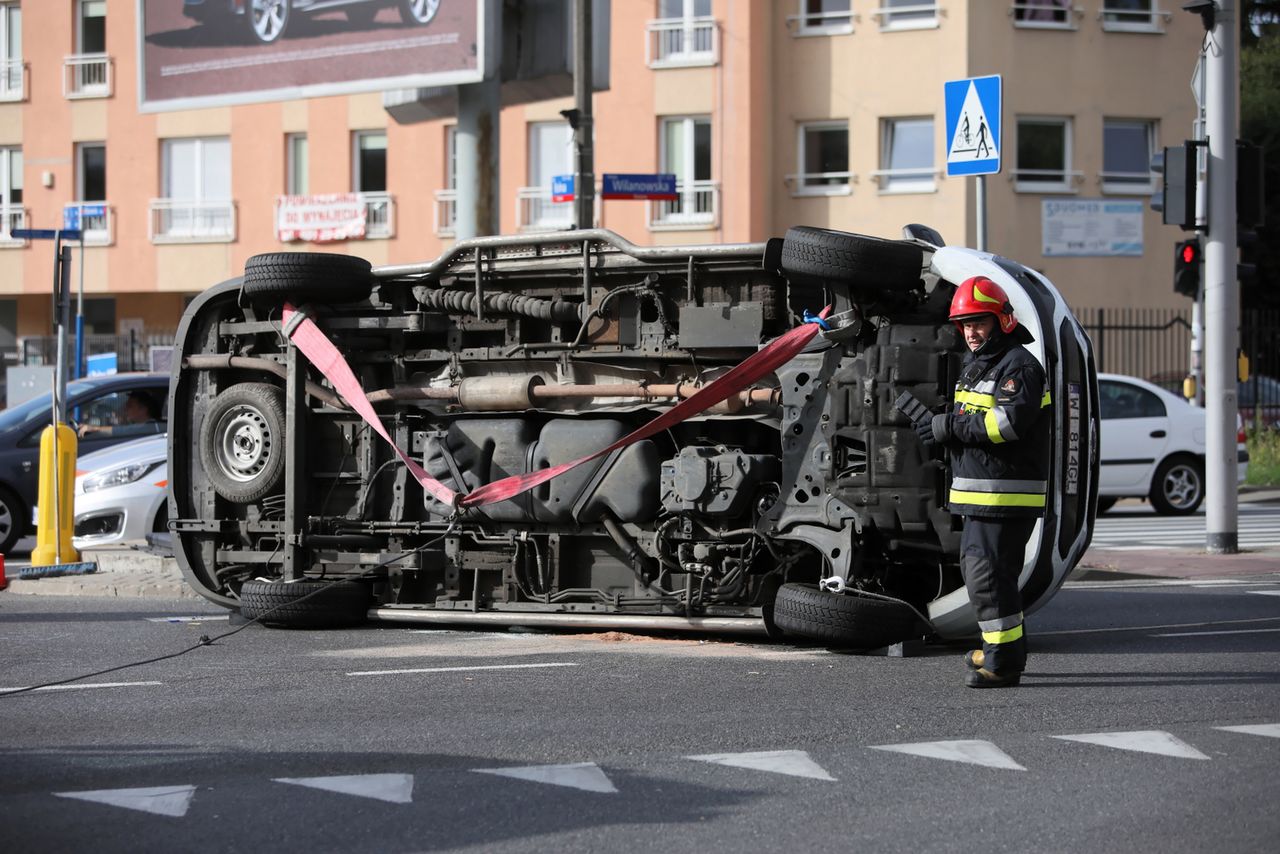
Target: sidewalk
column 122, row 572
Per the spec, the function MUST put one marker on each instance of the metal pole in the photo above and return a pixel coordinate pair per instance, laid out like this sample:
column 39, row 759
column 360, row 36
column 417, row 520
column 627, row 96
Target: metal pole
column 584, row 179
column 62, row 276
column 476, row 140
column 78, row 370
column 1221, row 291
column 982, row 214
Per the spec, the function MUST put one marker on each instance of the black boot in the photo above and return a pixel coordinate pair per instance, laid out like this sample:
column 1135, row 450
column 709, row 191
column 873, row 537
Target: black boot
column 983, row 678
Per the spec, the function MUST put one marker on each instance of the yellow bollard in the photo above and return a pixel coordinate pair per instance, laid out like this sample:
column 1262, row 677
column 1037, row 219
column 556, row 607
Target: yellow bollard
column 57, row 514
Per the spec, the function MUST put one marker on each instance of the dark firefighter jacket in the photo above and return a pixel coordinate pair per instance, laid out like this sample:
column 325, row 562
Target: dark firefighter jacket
column 999, row 430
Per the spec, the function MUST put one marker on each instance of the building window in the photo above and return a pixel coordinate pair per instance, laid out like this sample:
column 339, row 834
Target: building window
column 550, row 154
column 907, row 14
column 11, row 71
column 1127, row 147
column 822, row 159
column 90, row 212
column 684, row 34
column 12, row 214
column 91, row 26
column 1044, row 156
column 1044, row 14
column 369, row 179
column 686, row 153
column 824, row 18
column 1135, row 16
column 447, row 199
column 906, row 156
column 87, row 74
column 196, row 187
column 296, row 182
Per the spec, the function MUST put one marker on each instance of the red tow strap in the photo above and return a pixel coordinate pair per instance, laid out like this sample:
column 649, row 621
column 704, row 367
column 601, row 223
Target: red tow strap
column 322, row 353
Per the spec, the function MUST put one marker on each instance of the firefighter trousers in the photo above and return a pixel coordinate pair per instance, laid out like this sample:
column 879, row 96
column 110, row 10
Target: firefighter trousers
column 991, row 557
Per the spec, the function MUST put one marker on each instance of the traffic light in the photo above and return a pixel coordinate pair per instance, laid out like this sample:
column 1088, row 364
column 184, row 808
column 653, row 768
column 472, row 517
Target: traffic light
column 1176, row 196
column 1186, row 268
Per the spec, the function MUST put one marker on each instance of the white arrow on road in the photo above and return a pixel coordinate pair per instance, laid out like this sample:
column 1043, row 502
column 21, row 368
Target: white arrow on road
column 795, row 763
column 1143, row 741
column 172, row 801
column 393, row 788
column 974, row 751
column 579, row 775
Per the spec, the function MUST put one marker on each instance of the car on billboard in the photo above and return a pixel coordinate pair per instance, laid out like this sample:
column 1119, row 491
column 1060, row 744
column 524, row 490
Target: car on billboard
column 536, row 465
column 267, row 20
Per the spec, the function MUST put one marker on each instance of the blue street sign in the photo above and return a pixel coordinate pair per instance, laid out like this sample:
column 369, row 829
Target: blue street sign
column 45, row 233
column 103, row 363
column 662, row 186
column 71, row 216
column 973, row 125
column 562, row 188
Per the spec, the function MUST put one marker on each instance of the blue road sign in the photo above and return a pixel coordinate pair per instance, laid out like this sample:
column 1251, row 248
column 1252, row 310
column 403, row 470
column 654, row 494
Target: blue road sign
column 661, row 186
column 45, row 233
column 973, row 125
column 102, row 363
column 562, row 188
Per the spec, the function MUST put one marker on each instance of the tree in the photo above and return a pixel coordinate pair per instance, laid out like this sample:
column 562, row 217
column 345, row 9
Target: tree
column 1260, row 124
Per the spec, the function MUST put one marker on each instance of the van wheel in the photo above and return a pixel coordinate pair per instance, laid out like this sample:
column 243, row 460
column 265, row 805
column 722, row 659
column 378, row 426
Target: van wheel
column 846, row 620
column 12, row 520
column 305, row 604
column 1178, row 487
column 323, row 277
column 242, row 442
column 819, row 253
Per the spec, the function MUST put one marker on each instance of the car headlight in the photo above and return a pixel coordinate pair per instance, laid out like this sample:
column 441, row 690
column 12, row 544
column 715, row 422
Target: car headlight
column 118, row 477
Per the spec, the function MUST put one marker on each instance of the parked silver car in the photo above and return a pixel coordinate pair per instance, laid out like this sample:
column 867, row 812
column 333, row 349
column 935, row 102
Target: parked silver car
column 267, row 20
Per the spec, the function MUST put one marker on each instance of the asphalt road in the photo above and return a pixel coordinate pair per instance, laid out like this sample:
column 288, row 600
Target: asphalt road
column 311, row 741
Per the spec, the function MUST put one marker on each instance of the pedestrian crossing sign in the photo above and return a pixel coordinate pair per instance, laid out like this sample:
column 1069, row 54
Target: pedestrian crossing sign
column 973, row 125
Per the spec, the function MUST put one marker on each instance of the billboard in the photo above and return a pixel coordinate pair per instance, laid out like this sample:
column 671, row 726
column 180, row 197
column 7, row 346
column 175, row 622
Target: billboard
column 205, row 53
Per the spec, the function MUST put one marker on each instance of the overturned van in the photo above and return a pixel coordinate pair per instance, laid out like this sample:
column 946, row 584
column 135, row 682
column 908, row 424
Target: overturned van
column 799, row 501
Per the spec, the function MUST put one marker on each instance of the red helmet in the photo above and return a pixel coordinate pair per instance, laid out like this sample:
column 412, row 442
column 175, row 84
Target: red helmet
column 980, row 295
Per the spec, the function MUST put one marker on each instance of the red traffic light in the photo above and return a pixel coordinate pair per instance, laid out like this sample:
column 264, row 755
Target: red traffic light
column 1189, row 253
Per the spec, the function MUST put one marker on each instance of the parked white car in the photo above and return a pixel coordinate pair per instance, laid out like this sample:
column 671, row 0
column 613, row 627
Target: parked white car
column 1153, row 446
column 120, row 493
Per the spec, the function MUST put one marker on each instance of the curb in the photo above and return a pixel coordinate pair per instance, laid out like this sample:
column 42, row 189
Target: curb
column 121, row 573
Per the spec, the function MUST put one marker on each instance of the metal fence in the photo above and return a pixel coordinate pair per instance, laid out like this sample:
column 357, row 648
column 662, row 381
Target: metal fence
column 134, row 352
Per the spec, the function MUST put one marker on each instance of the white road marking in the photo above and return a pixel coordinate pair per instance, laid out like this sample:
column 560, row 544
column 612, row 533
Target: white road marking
column 83, row 687
column 1270, row 730
column 974, row 751
column 464, row 668
column 794, row 763
column 586, row 776
column 1143, row 741
column 1150, row 628
column 1163, row 582
column 393, row 788
column 172, row 801
column 196, row 618
column 1265, row 592
column 1202, row 634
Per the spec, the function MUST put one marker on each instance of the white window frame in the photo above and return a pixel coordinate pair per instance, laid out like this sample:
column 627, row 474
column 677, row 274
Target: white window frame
column 297, row 179
column 86, row 74
column 1124, row 183
column 1156, row 18
column 446, row 209
column 799, row 182
column 12, row 214
column 13, row 77
column 1048, row 183
column 694, row 30
column 831, row 23
column 893, row 180
column 215, row 209
column 1070, row 9
column 699, row 198
column 356, row 138
column 98, row 230
column 891, row 20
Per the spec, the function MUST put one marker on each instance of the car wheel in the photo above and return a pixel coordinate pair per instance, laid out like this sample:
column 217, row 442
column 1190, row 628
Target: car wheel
column 305, row 604
column 841, row 619
column 819, row 253
column 267, row 19
column 12, row 523
column 242, row 442
column 1105, row 503
column 1178, row 487
column 306, row 276
column 418, row 11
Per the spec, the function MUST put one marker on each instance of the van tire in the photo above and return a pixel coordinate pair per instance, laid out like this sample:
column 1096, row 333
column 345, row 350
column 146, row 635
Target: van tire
column 305, row 604
column 823, row 254
column 242, row 442
column 846, row 620
column 321, row 277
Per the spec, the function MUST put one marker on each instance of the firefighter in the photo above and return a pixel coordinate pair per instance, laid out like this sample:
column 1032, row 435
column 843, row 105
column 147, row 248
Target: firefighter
column 997, row 430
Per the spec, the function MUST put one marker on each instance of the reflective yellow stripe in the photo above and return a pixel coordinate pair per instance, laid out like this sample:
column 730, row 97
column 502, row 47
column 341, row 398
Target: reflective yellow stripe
column 972, row 398
column 993, row 426
column 1045, row 399
column 1007, row 636
column 998, row 499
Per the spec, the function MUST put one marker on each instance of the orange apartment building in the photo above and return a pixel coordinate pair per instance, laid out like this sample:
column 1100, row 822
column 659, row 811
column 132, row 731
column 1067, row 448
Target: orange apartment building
column 771, row 113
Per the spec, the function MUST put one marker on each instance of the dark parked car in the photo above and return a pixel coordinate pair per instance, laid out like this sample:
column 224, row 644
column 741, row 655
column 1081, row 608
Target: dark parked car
column 1259, row 398
column 266, row 20
column 94, row 402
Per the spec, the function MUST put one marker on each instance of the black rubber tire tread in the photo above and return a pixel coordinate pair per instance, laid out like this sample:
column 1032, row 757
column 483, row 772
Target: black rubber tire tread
column 1105, row 503
column 17, row 519
column 820, row 253
column 305, row 604
column 267, row 399
column 846, row 620
column 322, row 277
column 1161, row 504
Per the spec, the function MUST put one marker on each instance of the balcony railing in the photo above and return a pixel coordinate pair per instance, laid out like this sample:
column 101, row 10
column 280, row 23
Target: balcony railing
column 917, row 179
column 380, row 215
column 697, row 209
column 915, row 16
column 446, row 212
column 86, row 75
column 95, row 221
column 820, row 183
column 536, row 212
column 11, row 217
column 13, row 80
column 1046, row 14
column 1127, row 19
column 1126, row 183
column 682, row 42
column 181, row 221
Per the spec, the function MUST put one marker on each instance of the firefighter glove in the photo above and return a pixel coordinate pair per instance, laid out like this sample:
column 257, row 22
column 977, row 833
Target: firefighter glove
column 939, row 427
